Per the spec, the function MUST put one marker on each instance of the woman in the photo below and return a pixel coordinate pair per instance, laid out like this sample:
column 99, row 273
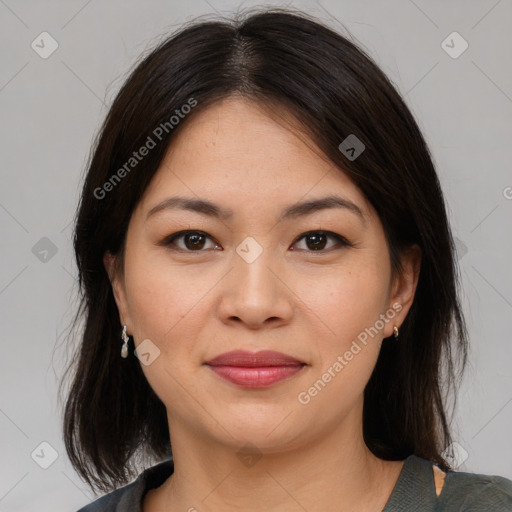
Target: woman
column 269, row 286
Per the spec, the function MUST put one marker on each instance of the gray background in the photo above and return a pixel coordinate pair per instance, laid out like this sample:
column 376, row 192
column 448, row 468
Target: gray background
column 51, row 109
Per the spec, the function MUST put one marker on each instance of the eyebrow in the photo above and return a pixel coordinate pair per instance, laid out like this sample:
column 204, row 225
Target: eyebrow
column 290, row 212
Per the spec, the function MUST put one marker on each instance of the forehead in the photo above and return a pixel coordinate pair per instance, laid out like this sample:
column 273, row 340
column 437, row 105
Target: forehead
column 237, row 153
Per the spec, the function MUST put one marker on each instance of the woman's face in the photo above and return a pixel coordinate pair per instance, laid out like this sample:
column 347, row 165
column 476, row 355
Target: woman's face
column 260, row 278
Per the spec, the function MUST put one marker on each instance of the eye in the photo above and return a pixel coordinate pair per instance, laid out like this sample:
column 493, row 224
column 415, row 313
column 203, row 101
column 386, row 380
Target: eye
column 317, row 240
column 194, row 241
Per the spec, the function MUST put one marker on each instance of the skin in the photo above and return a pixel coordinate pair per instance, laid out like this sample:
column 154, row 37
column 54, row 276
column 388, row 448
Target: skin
column 309, row 304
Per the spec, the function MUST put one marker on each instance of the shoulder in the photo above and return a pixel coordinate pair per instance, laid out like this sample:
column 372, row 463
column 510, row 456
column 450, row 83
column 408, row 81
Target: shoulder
column 458, row 491
column 113, row 501
column 471, row 492
column 129, row 498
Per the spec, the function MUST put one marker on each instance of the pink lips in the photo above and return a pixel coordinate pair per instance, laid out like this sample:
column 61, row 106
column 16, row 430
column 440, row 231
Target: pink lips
column 255, row 369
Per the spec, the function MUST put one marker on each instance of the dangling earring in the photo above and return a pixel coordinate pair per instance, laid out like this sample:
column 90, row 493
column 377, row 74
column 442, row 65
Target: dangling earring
column 124, row 348
column 395, row 331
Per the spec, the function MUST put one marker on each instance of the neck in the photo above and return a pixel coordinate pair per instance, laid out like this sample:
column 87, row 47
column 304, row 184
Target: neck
column 336, row 472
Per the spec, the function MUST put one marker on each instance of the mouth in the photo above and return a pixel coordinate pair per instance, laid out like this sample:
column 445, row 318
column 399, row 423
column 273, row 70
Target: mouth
column 255, row 369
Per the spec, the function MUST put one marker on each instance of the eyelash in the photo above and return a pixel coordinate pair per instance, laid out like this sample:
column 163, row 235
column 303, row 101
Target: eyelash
column 341, row 241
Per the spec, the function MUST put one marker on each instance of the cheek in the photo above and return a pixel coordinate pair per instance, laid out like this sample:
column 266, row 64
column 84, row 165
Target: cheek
column 166, row 308
column 347, row 299
column 345, row 307
column 159, row 296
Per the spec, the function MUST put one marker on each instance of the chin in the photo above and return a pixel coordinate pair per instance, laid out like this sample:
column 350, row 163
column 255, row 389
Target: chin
column 269, row 432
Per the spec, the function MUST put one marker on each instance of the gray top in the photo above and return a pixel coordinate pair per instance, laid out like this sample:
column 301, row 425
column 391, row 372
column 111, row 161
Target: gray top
column 414, row 491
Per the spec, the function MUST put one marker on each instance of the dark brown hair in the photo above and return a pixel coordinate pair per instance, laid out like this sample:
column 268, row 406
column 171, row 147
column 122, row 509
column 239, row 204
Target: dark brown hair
column 333, row 89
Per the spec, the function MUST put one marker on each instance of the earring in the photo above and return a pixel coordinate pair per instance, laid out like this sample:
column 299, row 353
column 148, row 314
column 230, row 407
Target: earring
column 395, row 331
column 124, row 349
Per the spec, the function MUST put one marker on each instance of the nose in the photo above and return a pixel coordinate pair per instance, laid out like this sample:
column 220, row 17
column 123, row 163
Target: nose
column 255, row 293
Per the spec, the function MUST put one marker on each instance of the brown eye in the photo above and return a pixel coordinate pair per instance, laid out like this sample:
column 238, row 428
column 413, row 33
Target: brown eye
column 318, row 240
column 196, row 241
column 193, row 241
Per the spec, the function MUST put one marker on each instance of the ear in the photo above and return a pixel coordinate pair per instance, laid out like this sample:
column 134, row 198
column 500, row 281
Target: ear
column 404, row 286
column 118, row 289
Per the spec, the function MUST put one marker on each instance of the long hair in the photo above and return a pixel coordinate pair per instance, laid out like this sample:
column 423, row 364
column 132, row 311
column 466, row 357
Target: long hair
column 334, row 90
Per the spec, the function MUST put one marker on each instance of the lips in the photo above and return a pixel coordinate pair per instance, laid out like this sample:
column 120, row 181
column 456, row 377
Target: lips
column 264, row 358
column 255, row 370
